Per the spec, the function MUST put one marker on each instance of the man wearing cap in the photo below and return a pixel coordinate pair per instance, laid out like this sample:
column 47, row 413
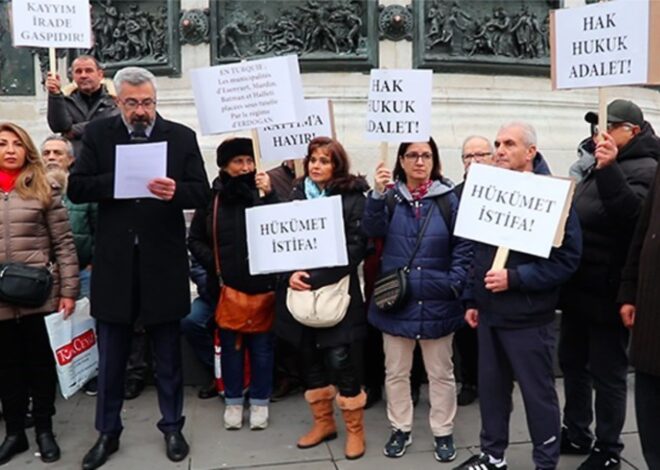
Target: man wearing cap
column 593, row 342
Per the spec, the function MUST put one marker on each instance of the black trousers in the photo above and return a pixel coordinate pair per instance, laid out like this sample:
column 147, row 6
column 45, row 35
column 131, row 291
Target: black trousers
column 593, row 357
column 647, row 407
column 27, row 368
column 322, row 367
column 467, row 347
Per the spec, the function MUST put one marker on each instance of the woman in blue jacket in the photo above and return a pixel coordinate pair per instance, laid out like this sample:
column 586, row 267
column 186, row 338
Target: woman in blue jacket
column 432, row 311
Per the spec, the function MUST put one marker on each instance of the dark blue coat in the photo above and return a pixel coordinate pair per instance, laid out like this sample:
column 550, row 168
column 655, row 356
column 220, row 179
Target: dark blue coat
column 534, row 282
column 438, row 271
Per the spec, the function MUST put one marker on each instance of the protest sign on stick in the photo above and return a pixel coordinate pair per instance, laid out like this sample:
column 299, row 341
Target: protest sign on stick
column 605, row 44
column 513, row 210
column 64, row 24
column 289, row 141
column 296, row 235
column 248, row 95
column 399, row 105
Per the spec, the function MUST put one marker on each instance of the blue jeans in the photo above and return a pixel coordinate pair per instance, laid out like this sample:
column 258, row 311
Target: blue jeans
column 260, row 346
column 198, row 327
column 85, row 280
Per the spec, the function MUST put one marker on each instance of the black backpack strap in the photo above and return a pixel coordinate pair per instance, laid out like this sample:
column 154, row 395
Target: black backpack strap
column 444, row 204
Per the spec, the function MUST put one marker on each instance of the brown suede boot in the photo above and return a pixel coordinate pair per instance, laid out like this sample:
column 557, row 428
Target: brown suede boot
column 324, row 428
column 353, row 410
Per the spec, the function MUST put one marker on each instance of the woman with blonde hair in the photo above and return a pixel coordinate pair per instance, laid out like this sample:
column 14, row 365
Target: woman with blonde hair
column 34, row 233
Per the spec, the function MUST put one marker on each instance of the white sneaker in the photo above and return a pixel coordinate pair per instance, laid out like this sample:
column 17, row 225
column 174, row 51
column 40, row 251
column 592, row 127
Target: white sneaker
column 258, row 417
column 233, row 417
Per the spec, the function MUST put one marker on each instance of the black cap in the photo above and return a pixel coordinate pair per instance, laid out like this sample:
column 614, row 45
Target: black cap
column 231, row 148
column 619, row 111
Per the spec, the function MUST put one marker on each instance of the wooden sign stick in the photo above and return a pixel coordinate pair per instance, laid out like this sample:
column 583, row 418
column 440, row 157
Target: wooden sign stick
column 500, row 258
column 52, row 60
column 602, row 112
column 257, row 155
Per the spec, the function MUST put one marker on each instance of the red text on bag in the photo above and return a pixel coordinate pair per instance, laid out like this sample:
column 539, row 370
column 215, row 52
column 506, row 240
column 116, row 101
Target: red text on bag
column 78, row 345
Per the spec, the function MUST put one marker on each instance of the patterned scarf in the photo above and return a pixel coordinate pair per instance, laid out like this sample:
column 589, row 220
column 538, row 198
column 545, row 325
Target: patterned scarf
column 418, row 194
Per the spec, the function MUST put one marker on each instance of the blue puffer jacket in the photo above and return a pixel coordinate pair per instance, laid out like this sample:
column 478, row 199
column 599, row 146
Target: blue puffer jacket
column 438, row 271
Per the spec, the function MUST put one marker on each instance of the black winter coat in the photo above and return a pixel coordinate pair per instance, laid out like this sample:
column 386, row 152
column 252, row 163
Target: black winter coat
column 236, row 195
column 157, row 228
column 608, row 202
column 354, row 324
column 639, row 285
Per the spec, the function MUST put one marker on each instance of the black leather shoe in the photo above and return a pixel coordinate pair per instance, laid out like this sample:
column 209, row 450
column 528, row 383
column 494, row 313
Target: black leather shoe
column 176, row 446
column 105, row 446
column 210, row 391
column 12, row 445
column 133, row 388
column 48, row 448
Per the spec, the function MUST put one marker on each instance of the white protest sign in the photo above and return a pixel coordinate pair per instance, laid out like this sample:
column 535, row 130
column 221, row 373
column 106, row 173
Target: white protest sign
column 399, row 105
column 296, row 235
column 289, row 141
column 248, row 95
column 606, row 44
column 58, row 24
column 517, row 210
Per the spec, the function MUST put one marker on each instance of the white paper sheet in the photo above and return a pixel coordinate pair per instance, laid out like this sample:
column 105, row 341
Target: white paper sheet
column 136, row 165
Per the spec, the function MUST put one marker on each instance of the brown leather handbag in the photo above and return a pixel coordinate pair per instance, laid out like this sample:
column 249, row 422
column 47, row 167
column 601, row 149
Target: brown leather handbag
column 236, row 310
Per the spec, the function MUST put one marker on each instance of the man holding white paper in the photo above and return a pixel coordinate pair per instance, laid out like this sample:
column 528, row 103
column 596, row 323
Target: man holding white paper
column 140, row 257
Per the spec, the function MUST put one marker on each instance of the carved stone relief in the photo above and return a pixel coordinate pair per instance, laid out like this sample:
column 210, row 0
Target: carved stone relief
column 138, row 32
column 324, row 33
column 460, row 35
column 16, row 64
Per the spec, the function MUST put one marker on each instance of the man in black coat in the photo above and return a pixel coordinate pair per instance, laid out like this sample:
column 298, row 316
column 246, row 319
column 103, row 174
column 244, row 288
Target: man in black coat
column 140, row 257
column 72, row 107
column 593, row 342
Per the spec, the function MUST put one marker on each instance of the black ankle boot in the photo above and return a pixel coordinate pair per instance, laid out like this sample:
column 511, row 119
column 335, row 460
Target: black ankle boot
column 12, row 445
column 48, row 448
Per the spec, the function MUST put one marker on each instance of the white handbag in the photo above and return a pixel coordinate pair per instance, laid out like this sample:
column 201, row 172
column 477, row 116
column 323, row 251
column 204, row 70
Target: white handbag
column 320, row 308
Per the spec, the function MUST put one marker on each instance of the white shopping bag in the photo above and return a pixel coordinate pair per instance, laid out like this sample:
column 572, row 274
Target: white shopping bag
column 73, row 342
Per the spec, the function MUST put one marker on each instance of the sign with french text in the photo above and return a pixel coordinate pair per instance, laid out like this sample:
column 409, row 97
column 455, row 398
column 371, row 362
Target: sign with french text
column 296, row 235
column 518, row 210
column 289, row 141
column 60, row 24
column 606, row 44
column 399, row 105
column 248, row 95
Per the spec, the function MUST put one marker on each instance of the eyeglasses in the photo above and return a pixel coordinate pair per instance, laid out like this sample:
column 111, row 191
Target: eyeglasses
column 414, row 156
column 611, row 126
column 470, row 156
column 132, row 104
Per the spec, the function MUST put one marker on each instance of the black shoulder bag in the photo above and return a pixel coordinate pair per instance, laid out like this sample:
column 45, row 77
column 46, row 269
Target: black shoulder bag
column 391, row 288
column 24, row 285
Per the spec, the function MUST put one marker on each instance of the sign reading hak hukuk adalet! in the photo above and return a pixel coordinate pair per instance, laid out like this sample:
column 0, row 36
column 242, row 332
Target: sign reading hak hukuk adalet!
column 289, row 141
column 296, row 235
column 60, row 24
column 248, row 95
column 518, row 210
column 606, row 44
column 399, row 105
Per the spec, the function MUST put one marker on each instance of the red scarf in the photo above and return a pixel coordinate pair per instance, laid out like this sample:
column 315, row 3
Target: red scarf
column 8, row 179
column 418, row 194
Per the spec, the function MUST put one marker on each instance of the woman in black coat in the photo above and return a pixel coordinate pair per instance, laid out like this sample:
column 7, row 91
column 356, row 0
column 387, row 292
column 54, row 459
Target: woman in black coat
column 326, row 352
column 220, row 229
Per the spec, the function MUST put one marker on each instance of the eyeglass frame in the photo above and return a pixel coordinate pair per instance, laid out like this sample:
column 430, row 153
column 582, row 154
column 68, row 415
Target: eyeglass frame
column 474, row 155
column 133, row 104
column 611, row 125
column 414, row 156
